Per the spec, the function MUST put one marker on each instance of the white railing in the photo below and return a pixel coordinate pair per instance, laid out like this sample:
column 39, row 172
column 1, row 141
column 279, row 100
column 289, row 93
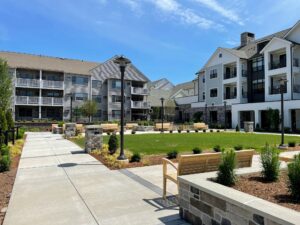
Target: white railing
column 140, row 105
column 139, row 91
column 53, row 84
column 52, row 101
column 27, row 100
column 22, row 82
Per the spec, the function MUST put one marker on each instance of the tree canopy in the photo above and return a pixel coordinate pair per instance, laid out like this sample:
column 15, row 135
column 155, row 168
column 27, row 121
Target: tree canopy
column 5, row 86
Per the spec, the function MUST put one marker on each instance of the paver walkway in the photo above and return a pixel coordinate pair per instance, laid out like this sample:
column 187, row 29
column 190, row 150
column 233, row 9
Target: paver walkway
column 57, row 183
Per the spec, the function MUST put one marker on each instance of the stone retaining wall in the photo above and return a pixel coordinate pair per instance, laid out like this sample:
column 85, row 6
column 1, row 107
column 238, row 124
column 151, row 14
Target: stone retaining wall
column 228, row 207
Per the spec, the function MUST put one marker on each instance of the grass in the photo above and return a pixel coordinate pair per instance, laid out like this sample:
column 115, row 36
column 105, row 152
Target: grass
column 149, row 144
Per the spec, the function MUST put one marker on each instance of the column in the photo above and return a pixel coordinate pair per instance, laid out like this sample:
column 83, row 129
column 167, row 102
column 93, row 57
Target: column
column 257, row 118
column 40, row 96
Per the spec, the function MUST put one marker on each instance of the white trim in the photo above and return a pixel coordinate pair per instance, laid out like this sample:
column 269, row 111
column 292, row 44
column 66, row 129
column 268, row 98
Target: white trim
column 270, row 42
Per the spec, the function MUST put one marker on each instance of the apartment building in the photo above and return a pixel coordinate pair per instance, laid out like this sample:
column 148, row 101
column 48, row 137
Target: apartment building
column 242, row 83
column 47, row 87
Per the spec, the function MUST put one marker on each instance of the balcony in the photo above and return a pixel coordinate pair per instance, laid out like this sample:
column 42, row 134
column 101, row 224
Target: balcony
column 139, row 91
column 277, row 65
column 30, row 83
column 230, row 75
column 230, row 95
column 277, row 90
column 140, row 105
column 52, row 101
column 51, row 84
column 27, row 100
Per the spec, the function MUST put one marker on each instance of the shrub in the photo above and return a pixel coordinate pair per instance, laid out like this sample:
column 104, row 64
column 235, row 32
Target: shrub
column 172, row 154
column 218, row 131
column 226, row 173
column 188, row 131
column 211, row 131
column 4, row 163
column 60, row 124
column 294, row 177
column 21, row 133
column 9, row 119
column 197, row 150
column 133, row 132
column 270, row 163
column 3, row 122
column 179, row 131
column 108, row 133
column 136, row 157
column 292, row 144
column 238, row 147
column 171, row 131
column 196, row 130
column 237, row 128
column 217, row 148
column 4, row 150
column 204, row 131
column 113, row 144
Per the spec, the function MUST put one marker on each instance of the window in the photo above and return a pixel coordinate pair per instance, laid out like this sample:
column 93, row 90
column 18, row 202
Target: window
column 116, row 98
column 96, row 98
column 80, row 96
column 116, row 84
column 258, row 64
column 98, row 113
column 214, row 93
column 203, row 95
column 96, row 83
column 213, row 73
column 80, row 80
column 203, row 79
column 220, row 55
column 116, row 113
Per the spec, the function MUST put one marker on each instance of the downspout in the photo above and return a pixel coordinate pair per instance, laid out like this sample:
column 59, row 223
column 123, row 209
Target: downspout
column 292, row 80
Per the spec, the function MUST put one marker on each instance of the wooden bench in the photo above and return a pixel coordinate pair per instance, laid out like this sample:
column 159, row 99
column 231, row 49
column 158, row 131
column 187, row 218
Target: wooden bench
column 200, row 163
column 167, row 126
column 109, row 127
column 200, row 126
column 130, row 126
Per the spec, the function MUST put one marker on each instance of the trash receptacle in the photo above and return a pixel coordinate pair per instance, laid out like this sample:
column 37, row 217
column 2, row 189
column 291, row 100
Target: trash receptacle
column 93, row 138
column 248, row 126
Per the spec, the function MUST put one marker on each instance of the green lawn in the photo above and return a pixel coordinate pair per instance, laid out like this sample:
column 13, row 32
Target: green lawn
column 149, row 144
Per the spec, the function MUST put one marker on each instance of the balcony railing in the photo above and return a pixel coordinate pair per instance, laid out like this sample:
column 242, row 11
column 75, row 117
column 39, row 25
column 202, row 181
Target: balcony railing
column 140, row 105
column 139, row 91
column 52, row 101
column 277, row 65
column 53, row 84
column 23, row 82
column 27, row 100
column 229, row 75
column 277, row 90
column 231, row 95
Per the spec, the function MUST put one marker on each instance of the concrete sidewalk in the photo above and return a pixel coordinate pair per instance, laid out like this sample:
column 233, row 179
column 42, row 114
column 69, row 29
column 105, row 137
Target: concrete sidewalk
column 57, row 183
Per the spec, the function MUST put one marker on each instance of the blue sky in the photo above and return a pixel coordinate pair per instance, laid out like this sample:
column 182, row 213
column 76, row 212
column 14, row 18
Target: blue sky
column 163, row 38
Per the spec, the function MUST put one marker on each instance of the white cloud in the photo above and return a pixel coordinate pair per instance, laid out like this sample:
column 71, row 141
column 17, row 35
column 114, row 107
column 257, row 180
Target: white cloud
column 232, row 43
column 227, row 13
column 185, row 15
column 133, row 4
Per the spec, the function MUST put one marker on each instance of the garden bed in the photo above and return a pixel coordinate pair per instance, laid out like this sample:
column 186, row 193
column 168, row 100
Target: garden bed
column 276, row 192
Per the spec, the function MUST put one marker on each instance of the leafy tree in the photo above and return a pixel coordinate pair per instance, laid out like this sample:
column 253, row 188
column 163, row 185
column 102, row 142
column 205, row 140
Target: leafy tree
column 5, row 86
column 89, row 109
column 9, row 119
column 3, row 122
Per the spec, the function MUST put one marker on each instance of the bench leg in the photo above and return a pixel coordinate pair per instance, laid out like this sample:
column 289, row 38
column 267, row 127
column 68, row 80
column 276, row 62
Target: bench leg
column 164, row 188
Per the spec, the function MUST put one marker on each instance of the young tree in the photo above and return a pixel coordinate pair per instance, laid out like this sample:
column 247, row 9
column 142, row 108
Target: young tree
column 3, row 122
column 89, row 109
column 9, row 119
column 5, row 86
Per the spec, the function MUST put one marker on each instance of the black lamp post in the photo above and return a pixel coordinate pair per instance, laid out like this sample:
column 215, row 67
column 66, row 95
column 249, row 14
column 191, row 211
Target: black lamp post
column 206, row 114
column 282, row 91
column 122, row 62
column 225, row 119
column 162, row 114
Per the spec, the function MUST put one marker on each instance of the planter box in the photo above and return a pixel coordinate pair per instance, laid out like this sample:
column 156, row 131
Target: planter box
column 203, row 201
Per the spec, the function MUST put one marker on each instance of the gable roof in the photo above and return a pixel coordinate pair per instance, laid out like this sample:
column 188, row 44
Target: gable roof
column 272, row 40
column 109, row 70
column 40, row 62
column 292, row 29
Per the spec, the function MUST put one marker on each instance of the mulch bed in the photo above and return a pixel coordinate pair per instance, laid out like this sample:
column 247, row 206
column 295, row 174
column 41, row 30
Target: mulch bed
column 7, row 180
column 276, row 192
column 151, row 160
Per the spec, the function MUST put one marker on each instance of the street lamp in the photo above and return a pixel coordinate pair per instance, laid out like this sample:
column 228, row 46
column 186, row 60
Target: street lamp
column 122, row 62
column 282, row 90
column 162, row 114
column 225, row 119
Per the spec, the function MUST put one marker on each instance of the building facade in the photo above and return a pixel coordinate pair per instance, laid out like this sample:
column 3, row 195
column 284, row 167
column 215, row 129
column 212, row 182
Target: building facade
column 47, row 88
column 241, row 84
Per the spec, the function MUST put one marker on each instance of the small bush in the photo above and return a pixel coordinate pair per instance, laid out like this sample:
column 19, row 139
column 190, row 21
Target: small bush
column 218, row 131
column 136, row 157
column 179, row 131
column 171, row 131
column 21, row 133
column 172, row 154
column 113, row 144
column 4, row 150
column 238, row 147
column 294, row 177
column 270, row 163
column 292, row 144
column 217, row 148
column 211, row 131
column 4, row 163
column 197, row 150
column 60, row 124
column 188, row 131
column 226, row 173
column 237, row 128
column 196, row 130
column 133, row 132
column 204, row 131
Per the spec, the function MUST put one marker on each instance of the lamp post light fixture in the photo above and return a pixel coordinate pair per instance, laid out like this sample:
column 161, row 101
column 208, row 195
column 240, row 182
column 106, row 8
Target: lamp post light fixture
column 122, row 62
column 162, row 114
column 282, row 91
column 225, row 119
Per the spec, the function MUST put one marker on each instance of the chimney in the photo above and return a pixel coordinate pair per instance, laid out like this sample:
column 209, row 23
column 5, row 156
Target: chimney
column 246, row 38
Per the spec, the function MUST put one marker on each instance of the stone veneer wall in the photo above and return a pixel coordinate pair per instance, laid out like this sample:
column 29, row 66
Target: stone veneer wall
column 201, row 208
